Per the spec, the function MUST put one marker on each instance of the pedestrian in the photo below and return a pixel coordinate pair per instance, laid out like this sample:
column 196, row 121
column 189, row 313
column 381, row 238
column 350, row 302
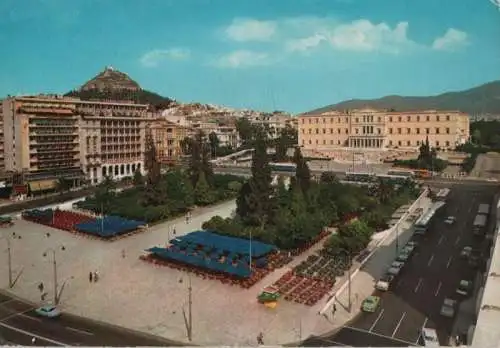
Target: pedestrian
column 260, row 339
column 40, row 286
column 334, row 308
column 90, row 277
column 174, row 230
column 96, row 276
column 123, row 253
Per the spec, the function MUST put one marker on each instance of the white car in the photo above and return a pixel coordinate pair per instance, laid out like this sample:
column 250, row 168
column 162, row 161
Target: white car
column 466, row 252
column 430, row 337
column 448, row 308
column 464, row 287
column 384, row 283
column 450, row 220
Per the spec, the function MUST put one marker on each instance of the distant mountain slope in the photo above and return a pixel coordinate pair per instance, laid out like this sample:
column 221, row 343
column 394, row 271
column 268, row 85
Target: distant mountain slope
column 112, row 84
column 481, row 99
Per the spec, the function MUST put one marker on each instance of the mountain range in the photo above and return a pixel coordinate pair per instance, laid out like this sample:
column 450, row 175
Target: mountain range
column 484, row 99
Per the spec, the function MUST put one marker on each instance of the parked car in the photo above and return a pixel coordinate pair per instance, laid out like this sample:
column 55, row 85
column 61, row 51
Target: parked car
column 370, row 304
column 448, row 308
column 48, row 311
column 413, row 244
column 464, row 287
column 409, row 248
column 385, row 282
column 450, row 220
column 466, row 252
column 403, row 256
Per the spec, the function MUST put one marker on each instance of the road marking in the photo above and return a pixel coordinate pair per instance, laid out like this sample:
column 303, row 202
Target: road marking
column 420, row 333
column 30, row 317
column 449, row 262
column 438, row 288
column 8, row 301
column 376, row 320
column 330, row 341
column 399, row 324
column 15, row 315
column 407, row 343
column 27, row 333
column 457, row 241
column 418, row 286
column 440, row 240
column 430, row 260
column 79, row 331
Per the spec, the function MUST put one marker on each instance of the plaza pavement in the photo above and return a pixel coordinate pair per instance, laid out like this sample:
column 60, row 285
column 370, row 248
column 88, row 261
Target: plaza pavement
column 138, row 295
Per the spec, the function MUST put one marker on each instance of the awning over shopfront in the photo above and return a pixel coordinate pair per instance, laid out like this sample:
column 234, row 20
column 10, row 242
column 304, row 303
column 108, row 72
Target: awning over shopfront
column 42, row 185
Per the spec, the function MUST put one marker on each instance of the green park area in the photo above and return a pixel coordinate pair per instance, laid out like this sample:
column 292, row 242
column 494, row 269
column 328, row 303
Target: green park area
column 291, row 217
column 427, row 159
column 157, row 197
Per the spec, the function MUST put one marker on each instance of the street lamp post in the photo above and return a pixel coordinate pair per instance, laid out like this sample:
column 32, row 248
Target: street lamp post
column 54, row 269
column 12, row 279
column 347, row 254
column 188, row 320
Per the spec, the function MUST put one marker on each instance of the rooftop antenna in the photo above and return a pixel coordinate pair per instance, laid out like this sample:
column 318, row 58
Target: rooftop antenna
column 496, row 3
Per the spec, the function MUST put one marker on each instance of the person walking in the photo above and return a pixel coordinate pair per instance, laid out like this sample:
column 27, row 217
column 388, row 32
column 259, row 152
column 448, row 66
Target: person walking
column 90, row 277
column 260, row 339
column 96, row 276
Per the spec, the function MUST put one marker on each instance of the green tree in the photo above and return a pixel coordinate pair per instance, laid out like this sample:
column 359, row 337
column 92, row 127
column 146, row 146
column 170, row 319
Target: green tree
column 255, row 202
column 206, row 165
column 302, row 174
column 214, row 142
column 245, row 131
column 196, row 160
column 138, row 179
column 63, row 185
column 476, row 136
column 154, row 193
column 186, row 145
column 202, row 193
column 104, row 195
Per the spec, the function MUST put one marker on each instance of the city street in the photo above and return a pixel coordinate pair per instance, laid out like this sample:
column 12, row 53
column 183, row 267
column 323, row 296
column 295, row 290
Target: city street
column 432, row 274
column 19, row 324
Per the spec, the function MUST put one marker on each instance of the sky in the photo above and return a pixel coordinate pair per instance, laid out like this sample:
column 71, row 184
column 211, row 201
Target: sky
column 294, row 55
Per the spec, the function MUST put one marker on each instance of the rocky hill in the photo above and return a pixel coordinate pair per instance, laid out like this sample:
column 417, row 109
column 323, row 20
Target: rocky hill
column 484, row 99
column 111, row 84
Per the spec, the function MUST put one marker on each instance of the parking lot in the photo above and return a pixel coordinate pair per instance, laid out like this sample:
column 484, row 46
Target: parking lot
column 431, row 275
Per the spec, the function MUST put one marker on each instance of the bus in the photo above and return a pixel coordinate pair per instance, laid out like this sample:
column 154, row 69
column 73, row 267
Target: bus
column 361, row 177
column 423, row 173
column 283, row 167
column 423, row 223
column 483, row 209
column 401, row 172
column 442, row 195
column 479, row 224
column 394, row 179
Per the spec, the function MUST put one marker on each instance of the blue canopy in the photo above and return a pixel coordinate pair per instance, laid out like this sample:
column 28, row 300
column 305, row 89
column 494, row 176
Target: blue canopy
column 229, row 244
column 241, row 270
column 109, row 226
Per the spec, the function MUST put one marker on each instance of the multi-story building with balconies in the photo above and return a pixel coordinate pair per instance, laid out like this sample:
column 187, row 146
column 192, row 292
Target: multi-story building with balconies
column 274, row 123
column 112, row 138
column 52, row 137
column 167, row 137
column 2, row 159
column 376, row 130
column 41, row 140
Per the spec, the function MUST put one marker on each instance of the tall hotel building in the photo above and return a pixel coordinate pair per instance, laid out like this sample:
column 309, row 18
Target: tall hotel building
column 46, row 138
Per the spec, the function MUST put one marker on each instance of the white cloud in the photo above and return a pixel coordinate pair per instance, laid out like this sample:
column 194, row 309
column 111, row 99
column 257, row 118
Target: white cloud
column 451, row 40
column 243, row 59
column 242, row 30
column 360, row 35
column 155, row 57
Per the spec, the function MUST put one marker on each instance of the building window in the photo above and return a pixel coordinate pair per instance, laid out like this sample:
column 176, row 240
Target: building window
column 437, row 130
column 303, row 131
column 418, row 118
column 447, row 131
column 390, row 142
column 437, row 143
column 331, row 130
column 437, row 118
column 338, row 142
column 390, row 130
column 427, row 118
column 399, row 130
column 317, row 130
column 356, row 131
column 379, row 119
column 447, row 143
column 427, row 130
column 331, row 119
column 310, row 121
column 317, row 142
column 303, row 121
column 447, row 117
column 309, row 141
column 399, row 118
column 417, row 130
column 356, row 120
column 346, row 131
column 408, row 130
column 324, row 131
column 390, row 119
column 324, row 142
column 331, row 142
column 399, row 143
column 346, row 119
column 317, row 120
column 408, row 143
column 379, row 130
column 408, row 118
column 324, row 120
column 418, row 142
column 338, row 130
column 310, row 130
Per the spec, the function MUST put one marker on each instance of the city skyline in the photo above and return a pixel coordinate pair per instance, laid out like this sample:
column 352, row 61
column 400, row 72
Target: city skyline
column 297, row 57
